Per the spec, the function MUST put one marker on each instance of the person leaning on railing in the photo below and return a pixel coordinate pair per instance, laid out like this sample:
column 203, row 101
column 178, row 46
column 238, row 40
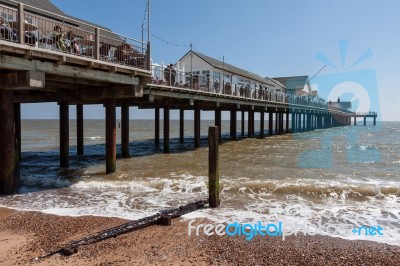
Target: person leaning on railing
column 60, row 38
column 6, row 32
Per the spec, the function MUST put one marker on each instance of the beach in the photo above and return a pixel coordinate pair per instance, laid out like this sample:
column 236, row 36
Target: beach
column 27, row 235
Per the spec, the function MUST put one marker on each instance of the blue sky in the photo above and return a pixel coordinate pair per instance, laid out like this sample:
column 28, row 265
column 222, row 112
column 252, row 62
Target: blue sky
column 269, row 38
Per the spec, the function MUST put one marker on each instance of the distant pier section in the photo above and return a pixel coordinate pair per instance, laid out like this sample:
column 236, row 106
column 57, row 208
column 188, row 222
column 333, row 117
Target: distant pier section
column 365, row 115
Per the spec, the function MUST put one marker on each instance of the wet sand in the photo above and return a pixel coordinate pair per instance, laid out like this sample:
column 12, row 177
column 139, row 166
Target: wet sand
column 26, row 235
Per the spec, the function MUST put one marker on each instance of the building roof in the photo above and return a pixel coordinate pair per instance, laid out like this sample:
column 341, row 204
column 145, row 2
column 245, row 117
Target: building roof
column 229, row 68
column 47, row 5
column 277, row 82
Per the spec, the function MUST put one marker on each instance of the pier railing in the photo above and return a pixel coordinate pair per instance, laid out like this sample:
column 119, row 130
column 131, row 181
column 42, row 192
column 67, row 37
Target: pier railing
column 28, row 25
column 165, row 76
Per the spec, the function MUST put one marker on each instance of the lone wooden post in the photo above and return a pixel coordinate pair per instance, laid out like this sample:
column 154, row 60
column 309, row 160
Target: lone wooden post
column 262, row 124
column 197, row 127
column 213, row 167
column 242, row 123
column 270, row 123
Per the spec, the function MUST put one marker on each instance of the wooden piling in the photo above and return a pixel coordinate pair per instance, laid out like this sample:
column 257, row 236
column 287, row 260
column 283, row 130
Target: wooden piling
column 166, row 129
column 197, row 127
column 242, row 123
column 111, row 136
column 125, row 130
column 249, row 125
column 64, row 134
column 79, row 130
column 293, row 122
column 157, row 126
column 218, row 123
column 374, row 120
column 270, row 123
column 181, row 125
column 213, row 167
column 365, row 120
column 233, row 124
column 262, row 124
column 17, row 121
column 7, row 142
column 287, row 122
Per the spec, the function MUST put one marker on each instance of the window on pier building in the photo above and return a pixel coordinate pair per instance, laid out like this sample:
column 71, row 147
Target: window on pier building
column 216, row 75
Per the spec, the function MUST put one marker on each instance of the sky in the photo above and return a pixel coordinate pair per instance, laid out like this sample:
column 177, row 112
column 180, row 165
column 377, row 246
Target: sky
column 269, row 38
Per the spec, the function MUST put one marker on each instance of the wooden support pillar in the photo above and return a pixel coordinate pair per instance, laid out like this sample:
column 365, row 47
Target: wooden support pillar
column 125, row 130
column 17, row 121
column 281, row 131
column 166, row 129
column 271, row 123
column 111, row 136
column 287, row 122
column 293, row 122
column 64, row 134
column 249, row 124
column 304, row 122
column 197, row 127
column 242, row 123
column 374, row 120
column 157, row 126
column 213, row 167
column 276, row 124
column 233, row 124
column 300, row 121
column 218, row 123
column 365, row 120
column 181, row 125
column 262, row 118
column 79, row 130
column 7, row 143
column 252, row 123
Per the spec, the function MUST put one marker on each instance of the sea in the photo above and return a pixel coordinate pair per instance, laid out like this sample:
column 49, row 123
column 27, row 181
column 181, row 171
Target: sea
column 344, row 181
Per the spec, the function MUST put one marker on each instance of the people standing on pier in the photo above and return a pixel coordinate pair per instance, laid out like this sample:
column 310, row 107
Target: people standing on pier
column 167, row 75
column 60, row 38
column 173, row 74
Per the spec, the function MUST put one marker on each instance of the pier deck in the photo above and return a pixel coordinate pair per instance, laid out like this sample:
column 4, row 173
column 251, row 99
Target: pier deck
column 35, row 72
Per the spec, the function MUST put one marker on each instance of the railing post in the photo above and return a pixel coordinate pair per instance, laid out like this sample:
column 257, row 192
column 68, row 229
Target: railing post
column 21, row 31
column 148, row 58
column 97, row 44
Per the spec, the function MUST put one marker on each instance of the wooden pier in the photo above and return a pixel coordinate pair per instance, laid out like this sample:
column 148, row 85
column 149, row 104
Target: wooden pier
column 365, row 116
column 35, row 74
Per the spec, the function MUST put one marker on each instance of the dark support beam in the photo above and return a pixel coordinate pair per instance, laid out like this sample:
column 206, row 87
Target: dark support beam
column 125, row 130
column 157, row 126
column 249, row 123
column 79, row 130
column 276, row 124
column 365, row 120
column 304, row 122
column 64, row 134
column 218, row 123
column 374, row 120
column 17, row 121
column 293, row 122
column 262, row 113
column 287, row 122
column 281, row 123
column 242, row 123
column 270, row 123
column 300, row 127
column 111, row 136
column 7, row 143
column 166, row 129
column 197, row 127
column 355, row 121
column 233, row 124
column 181, row 125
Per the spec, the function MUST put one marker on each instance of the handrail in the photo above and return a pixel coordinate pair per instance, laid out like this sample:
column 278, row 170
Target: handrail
column 38, row 30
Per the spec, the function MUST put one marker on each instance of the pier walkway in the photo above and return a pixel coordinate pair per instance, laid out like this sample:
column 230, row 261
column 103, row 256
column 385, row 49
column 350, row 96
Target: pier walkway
column 103, row 67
